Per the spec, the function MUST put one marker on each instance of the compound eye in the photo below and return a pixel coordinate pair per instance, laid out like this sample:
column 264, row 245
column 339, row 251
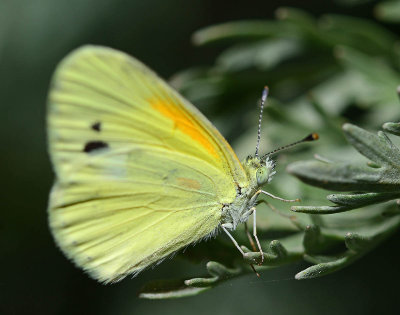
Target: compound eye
column 262, row 175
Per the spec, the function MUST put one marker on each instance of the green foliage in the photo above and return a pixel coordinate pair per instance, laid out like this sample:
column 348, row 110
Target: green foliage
column 321, row 73
column 388, row 11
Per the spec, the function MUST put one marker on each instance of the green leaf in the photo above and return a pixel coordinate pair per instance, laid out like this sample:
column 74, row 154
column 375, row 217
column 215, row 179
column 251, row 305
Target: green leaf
column 360, row 200
column 393, row 128
column 168, row 289
column 357, row 245
column 337, row 176
column 337, row 92
column 276, row 255
column 356, row 242
column 232, row 30
column 218, row 272
column 323, row 269
column 377, row 148
column 260, row 55
column 352, row 2
column 347, row 202
column 388, row 11
column 361, row 34
column 315, row 241
column 380, row 79
column 346, row 176
column 296, row 16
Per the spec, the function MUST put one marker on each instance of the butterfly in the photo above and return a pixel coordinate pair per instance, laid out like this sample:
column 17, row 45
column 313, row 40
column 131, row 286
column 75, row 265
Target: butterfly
column 140, row 172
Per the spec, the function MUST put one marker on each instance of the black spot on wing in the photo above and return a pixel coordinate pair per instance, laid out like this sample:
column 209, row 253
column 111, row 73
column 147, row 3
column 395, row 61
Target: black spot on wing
column 97, row 126
column 94, row 146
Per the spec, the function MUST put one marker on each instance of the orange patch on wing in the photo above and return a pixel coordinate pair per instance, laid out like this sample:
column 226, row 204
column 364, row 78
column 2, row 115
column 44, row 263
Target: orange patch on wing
column 182, row 122
column 188, row 183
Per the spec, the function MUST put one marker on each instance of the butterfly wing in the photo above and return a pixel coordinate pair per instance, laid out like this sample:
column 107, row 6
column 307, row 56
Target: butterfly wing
column 140, row 171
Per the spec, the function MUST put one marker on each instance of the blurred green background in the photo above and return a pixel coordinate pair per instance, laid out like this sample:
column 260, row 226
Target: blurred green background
column 36, row 277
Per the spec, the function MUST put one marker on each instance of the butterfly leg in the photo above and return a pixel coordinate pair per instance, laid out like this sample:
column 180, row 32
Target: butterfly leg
column 245, row 215
column 276, row 197
column 228, row 225
column 272, row 207
column 253, row 246
column 255, row 234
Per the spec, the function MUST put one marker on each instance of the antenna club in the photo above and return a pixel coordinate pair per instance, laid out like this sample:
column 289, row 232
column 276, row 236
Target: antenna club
column 265, row 94
column 311, row 137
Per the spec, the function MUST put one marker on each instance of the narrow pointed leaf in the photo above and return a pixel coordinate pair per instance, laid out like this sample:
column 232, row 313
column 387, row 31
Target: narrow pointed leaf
column 372, row 146
column 320, row 209
column 391, row 127
column 358, row 33
column 360, row 200
column 323, row 269
column 316, row 242
column 356, row 242
column 168, row 289
column 340, row 176
column 388, row 11
column 218, row 270
column 255, row 29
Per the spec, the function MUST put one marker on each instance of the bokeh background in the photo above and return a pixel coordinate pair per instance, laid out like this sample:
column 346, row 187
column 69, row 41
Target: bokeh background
column 36, row 278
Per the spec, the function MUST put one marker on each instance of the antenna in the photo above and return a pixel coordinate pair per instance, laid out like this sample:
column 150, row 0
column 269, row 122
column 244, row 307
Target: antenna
column 263, row 99
column 311, row 137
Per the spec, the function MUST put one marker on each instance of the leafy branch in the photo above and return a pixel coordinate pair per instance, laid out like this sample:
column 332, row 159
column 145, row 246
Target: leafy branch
column 276, row 254
column 379, row 180
column 376, row 182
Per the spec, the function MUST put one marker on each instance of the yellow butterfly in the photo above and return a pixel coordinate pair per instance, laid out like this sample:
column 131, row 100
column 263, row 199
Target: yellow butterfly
column 140, row 172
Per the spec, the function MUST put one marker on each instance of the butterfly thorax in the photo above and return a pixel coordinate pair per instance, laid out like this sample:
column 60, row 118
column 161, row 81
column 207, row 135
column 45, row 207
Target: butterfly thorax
column 259, row 172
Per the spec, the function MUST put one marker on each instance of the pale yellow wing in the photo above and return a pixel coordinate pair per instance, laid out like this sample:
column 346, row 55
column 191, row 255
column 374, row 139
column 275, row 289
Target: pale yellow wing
column 140, row 172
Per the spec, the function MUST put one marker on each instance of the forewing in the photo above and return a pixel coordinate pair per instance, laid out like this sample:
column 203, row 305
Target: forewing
column 99, row 84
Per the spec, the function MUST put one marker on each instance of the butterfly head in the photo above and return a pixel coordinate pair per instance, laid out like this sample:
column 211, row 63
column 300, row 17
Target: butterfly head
column 265, row 172
column 260, row 171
